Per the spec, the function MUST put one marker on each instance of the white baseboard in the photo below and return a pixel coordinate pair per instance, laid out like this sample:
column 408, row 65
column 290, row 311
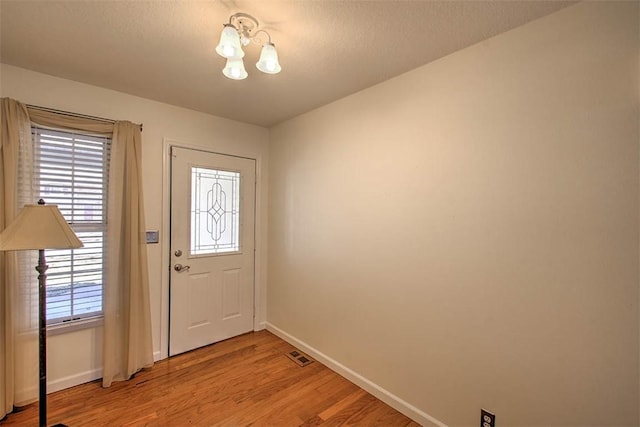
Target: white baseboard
column 73, row 380
column 260, row 326
column 387, row 397
column 30, row 394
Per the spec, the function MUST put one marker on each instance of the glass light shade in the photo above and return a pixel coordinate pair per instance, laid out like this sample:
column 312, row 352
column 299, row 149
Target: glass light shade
column 268, row 62
column 235, row 69
column 229, row 45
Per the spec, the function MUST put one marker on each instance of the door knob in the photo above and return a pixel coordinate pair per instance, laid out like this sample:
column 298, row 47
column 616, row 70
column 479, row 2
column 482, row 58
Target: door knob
column 180, row 268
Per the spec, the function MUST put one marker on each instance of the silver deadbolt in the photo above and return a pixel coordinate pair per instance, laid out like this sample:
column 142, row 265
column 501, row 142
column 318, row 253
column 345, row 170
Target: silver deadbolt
column 178, row 253
column 180, row 268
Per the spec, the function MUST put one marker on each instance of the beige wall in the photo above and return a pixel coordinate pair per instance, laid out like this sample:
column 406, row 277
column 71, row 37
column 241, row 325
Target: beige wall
column 466, row 235
column 163, row 124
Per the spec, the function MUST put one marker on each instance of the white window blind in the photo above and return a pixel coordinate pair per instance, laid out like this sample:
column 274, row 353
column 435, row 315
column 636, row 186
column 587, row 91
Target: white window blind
column 71, row 171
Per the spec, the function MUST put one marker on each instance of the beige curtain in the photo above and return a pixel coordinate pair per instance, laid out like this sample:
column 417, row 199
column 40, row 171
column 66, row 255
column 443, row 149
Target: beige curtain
column 57, row 120
column 127, row 319
column 127, row 330
column 18, row 322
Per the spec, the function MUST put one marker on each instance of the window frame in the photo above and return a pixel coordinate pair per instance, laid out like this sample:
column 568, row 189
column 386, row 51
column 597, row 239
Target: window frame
column 80, row 143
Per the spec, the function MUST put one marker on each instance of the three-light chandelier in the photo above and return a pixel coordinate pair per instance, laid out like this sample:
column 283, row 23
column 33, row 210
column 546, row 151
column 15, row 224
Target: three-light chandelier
column 241, row 30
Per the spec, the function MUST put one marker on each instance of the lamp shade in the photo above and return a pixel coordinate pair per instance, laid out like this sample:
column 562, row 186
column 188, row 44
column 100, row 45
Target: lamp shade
column 268, row 62
column 229, row 45
column 38, row 227
column 235, row 69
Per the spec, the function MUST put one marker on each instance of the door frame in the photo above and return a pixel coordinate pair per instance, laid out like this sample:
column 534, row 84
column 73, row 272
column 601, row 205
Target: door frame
column 259, row 278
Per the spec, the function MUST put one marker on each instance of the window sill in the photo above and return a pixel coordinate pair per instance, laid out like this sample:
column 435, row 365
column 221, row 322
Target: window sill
column 77, row 325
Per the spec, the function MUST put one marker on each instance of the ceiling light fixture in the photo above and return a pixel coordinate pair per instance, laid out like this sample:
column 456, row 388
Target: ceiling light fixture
column 241, row 30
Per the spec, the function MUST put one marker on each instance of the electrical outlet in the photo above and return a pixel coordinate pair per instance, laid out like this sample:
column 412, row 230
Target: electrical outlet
column 487, row 419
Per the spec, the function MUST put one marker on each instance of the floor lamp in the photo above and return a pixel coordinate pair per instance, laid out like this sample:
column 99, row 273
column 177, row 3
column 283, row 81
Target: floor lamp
column 40, row 227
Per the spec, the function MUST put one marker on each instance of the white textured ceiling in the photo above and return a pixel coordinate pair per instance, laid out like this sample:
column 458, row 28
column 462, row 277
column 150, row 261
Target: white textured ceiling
column 164, row 50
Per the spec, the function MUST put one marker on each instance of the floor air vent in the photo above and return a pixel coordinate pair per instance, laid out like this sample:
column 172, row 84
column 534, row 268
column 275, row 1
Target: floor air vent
column 299, row 357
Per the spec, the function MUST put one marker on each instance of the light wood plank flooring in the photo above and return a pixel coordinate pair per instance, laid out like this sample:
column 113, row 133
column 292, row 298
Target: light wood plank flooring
column 247, row 380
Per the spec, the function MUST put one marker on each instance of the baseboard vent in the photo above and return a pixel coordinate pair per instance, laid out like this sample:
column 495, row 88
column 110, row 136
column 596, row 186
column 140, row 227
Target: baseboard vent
column 300, row 358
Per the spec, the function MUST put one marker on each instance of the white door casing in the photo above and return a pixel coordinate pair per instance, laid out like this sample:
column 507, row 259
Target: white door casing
column 212, row 238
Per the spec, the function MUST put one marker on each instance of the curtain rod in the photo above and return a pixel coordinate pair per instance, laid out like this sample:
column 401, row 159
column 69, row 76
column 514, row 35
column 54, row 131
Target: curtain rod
column 70, row 114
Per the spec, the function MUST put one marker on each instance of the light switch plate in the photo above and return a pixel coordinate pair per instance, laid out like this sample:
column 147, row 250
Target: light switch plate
column 152, row 236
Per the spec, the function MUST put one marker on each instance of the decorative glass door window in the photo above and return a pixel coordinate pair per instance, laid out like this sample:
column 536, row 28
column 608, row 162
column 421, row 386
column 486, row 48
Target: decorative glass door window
column 215, row 211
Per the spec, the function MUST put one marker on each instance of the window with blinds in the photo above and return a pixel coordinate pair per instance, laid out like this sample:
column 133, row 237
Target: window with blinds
column 71, row 171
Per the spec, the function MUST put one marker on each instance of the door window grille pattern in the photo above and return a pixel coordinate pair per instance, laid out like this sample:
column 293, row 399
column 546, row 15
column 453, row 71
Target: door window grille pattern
column 215, row 211
column 71, row 171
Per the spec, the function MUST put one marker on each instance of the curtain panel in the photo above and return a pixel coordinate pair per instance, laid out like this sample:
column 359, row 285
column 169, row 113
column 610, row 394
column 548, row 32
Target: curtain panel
column 51, row 119
column 127, row 317
column 16, row 297
column 127, row 322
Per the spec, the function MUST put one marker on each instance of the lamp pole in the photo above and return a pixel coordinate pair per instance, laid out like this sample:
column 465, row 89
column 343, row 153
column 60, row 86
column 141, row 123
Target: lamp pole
column 42, row 333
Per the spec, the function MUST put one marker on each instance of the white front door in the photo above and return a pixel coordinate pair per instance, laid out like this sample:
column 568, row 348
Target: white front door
column 212, row 248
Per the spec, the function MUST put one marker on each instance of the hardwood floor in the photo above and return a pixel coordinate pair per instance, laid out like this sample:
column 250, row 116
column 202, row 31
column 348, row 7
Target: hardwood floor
column 247, row 380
